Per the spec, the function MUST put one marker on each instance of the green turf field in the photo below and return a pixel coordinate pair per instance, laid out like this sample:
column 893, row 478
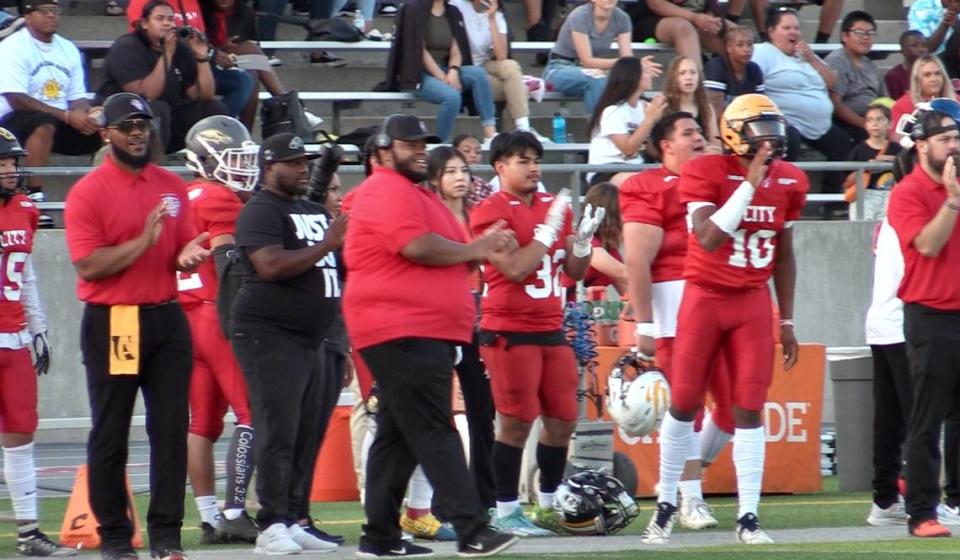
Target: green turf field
column 830, row 508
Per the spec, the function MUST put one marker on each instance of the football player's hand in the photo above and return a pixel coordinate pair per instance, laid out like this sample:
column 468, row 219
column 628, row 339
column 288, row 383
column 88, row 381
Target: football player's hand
column 589, row 224
column 758, row 166
column 337, row 231
column 193, row 253
column 791, row 347
column 41, row 353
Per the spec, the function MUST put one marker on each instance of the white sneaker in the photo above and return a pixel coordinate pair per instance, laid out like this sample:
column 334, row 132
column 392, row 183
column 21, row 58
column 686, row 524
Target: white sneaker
column 314, row 121
column 947, row 515
column 695, row 514
column 276, row 540
column 896, row 514
column 275, row 61
column 308, row 542
column 749, row 531
column 661, row 525
column 543, row 139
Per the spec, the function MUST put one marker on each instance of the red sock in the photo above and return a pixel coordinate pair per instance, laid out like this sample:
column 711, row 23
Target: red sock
column 417, row 513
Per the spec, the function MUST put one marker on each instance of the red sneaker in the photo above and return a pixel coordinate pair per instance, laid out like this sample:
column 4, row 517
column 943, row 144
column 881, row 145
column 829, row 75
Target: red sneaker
column 902, row 485
column 930, row 528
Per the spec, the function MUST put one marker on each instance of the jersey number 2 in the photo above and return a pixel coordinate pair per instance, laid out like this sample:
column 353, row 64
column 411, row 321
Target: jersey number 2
column 754, row 249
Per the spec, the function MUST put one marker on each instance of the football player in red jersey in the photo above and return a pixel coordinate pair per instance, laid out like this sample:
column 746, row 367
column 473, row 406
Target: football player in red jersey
column 740, row 207
column 655, row 241
column 532, row 368
column 224, row 159
column 22, row 323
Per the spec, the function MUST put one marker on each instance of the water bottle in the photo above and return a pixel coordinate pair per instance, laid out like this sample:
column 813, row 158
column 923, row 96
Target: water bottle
column 559, row 128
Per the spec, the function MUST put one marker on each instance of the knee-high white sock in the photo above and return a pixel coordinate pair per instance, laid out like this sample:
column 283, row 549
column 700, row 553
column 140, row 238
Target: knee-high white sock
column 692, row 488
column 207, row 507
column 420, row 493
column 748, row 453
column 21, row 478
column 522, row 123
column 712, row 440
column 674, row 447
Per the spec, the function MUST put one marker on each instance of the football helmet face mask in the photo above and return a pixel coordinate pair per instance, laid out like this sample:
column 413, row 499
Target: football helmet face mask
column 748, row 121
column 910, row 127
column 594, row 503
column 13, row 178
column 219, row 148
column 637, row 401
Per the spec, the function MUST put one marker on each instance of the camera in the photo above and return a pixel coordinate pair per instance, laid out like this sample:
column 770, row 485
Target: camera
column 184, row 32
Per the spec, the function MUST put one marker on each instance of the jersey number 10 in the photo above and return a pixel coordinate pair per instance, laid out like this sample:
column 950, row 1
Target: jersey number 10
column 755, row 249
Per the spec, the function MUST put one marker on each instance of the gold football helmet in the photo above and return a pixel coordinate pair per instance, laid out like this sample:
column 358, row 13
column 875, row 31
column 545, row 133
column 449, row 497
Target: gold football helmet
column 750, row 120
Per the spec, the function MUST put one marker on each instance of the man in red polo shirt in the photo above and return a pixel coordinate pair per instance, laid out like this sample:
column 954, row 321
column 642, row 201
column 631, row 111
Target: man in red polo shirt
column 406, row 330
column 923, row 211
column 129, row 230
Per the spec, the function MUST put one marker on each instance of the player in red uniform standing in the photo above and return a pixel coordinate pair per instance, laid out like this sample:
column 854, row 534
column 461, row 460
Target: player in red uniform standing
column 740, row 208
column 655, row 241
column 532, row 368
column 224, row 159
column 22, row 322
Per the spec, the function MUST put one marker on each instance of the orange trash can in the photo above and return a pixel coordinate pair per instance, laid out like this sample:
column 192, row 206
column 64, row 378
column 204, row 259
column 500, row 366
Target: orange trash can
column 333, row 478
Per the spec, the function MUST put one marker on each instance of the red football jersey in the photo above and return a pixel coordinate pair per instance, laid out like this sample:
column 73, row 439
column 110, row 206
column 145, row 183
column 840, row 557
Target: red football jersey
column 746, row 259
column 652, row 198
column 533, row 305
column 215, row 210
column 18, row 224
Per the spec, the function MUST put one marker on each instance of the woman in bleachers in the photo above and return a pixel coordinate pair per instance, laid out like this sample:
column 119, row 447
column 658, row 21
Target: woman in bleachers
column 622, row 120
column 732, row 73
column 928, row 79
column 582, row 55
column 431, row 56
column 606, row 264
column 683, row 90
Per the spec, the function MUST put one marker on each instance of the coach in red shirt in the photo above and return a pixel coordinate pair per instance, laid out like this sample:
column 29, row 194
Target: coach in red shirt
column 129, row 231
column 407, row 304
column 923, row 211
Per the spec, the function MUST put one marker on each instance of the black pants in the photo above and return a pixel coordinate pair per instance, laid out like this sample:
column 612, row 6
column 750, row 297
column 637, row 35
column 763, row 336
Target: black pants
column 165, row 363
column 892, row 401
column 173, row 122
column 334, row 367
column 933, row 350
column 951, row 458
column 478, row 401
column 66, row 139
column 285, row 381
column 414, row 426
column 835, row 145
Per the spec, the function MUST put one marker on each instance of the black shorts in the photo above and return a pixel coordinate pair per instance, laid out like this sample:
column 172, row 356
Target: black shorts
column 643, row 19
column 66, row 140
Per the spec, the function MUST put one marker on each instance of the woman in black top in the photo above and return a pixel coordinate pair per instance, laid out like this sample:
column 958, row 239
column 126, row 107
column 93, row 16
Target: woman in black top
column 732, row 73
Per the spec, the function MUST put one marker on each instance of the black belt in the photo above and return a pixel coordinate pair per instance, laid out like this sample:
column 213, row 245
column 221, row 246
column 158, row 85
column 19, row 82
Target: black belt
column 140, row 305
column 555, row 56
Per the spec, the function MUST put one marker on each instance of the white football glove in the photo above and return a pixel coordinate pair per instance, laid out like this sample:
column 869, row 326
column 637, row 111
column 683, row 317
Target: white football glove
column 589, row 224
column 547, row 232
column 41, row 353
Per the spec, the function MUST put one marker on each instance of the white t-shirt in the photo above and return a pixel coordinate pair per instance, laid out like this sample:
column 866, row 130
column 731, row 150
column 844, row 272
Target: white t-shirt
column 616, row 119
column 48, row 72
column 478, row 30
column 885, row 316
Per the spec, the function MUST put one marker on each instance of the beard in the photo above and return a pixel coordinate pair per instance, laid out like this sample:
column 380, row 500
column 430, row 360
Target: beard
column 938, row 164
column 125, row 157
column 406, row 168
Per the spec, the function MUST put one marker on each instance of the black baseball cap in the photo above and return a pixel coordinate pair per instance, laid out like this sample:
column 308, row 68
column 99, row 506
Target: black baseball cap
column 31, row 5
column 122, row 106
column 401, row 126
column 285, row 146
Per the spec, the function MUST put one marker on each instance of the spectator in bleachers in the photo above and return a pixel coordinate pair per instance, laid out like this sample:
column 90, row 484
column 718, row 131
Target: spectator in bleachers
column 472, row 151
column 689, row 26
column 912, row 46
column 829, row 15
column 172, row 74
column 431, row 56
column 732, row 73
column 490, row 49
column 606, row 263
column 928, row 79
column 234, row 86
column 621, row 121
column 44, row 100
column 683, row 90
column 935, row 19
column 876, row 147
column 858, row 79
column 582, row 55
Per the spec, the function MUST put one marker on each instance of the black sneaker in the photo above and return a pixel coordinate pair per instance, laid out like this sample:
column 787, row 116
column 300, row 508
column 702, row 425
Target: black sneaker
column 120, row 553
column 240, row 530
column 311, row 529
column 368, row 549
column 208, row 535
column 167, row 553
column 36, row 543
column 324, row 58
column 487, row 542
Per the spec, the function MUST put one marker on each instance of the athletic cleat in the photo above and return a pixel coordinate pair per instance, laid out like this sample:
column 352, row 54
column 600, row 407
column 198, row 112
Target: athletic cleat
column 947, row 515
column 487, row 542
column 695, row 514
column 930, row 528
column 427, row 527
column 276, row 540
column 403, row 549
column 517, row 524
column 661, row 525
column 312, row 528
column 240, row 530
column 208, row 535
column 749, row 531
column 896, row 514
column 546, row 518
column 308, row 542
column 167, row 553
column 36, row 543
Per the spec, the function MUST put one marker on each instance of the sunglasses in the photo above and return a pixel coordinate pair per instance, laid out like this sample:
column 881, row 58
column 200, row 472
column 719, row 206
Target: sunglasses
column 131, row 125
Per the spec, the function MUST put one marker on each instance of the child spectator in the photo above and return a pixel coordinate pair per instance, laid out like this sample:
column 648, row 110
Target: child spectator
column 684, row 91
column 877, row 147
column 912, row 47
column 858, row 79
column 472, row 152
column 732, row 73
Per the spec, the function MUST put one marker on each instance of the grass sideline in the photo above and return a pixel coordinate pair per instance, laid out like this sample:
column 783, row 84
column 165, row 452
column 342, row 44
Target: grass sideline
column 829, row 508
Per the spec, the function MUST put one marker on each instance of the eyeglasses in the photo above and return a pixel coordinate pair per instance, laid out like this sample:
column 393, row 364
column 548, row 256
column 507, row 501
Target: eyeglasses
column 863, row 33
column 130, row 125
column 48, row 10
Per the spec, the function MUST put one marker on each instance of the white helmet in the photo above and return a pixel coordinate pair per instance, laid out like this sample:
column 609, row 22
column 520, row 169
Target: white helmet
column 639, row 403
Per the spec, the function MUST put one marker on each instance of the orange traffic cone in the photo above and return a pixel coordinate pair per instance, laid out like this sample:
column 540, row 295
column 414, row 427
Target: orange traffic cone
column 79, row 527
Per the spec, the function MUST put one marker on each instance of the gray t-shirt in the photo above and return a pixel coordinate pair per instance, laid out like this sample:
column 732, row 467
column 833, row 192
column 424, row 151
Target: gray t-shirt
column 581, row 21
column 856, row 86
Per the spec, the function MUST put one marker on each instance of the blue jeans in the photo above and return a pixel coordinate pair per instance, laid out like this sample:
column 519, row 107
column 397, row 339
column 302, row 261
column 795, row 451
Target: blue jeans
column 234, row 87
column 473, row 79
column 569, row 79
column 325, row 9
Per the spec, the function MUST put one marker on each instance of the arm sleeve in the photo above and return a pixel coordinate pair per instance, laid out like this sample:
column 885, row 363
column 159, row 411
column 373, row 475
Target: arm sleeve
column 715, row 75
column 843, row 77
column 612, row 122
column 36, row 319
column 580, row 21
column 397, row 217
column 15, row 77
column 77, row 88
column 84, row 227
column 501, row 23
column 624, row 25
column 759, row 86
column 907, row 215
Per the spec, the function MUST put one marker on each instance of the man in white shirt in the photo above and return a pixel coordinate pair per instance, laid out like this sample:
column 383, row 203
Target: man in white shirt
column 43, row 101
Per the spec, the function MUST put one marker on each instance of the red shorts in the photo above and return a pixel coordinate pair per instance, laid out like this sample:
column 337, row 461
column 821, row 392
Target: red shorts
column 217, row 379
column 719, row 386
column 18, row 392
column 735, row 326
column 532, row 380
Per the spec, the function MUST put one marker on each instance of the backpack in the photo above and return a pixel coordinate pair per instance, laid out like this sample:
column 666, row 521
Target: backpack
column 284, row 113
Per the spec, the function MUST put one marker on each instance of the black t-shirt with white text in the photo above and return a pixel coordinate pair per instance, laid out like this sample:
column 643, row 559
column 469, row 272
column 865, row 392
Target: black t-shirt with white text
column 303, row 305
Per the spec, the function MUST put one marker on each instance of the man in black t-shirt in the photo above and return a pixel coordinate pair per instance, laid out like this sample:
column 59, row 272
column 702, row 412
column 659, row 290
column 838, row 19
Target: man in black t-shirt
column 286, row 303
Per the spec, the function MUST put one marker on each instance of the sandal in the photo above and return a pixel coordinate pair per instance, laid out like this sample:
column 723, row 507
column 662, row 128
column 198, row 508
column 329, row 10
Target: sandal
column 113, row 8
